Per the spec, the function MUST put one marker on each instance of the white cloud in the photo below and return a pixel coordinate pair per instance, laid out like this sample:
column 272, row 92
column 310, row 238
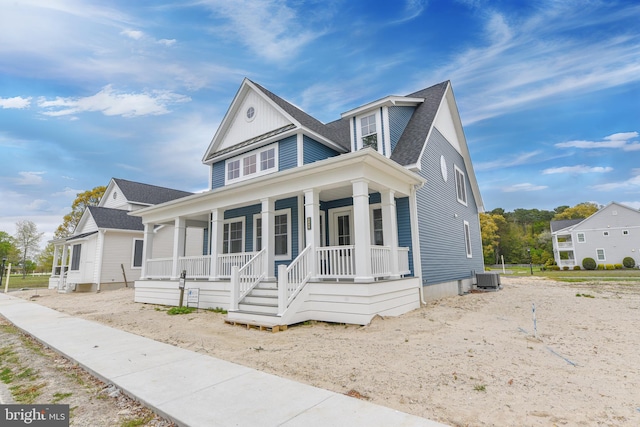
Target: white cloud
column 16, row 102
column 523, row 187
column 29, row 178
column 632, row 184
column 578, row 169
column 515, row 160
column 37, row 205
column 133, row 34
column 111, row 103
column 167, row 42
column 632, row 205
column 617, row 140
column 68, row 192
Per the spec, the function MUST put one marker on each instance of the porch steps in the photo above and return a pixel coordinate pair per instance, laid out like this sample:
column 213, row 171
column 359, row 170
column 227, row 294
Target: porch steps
column 256, row 325
column 259, row 309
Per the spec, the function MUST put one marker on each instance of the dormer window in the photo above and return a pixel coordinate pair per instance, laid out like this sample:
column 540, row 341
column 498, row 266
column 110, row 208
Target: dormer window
column 369, row 132
column 249, row 165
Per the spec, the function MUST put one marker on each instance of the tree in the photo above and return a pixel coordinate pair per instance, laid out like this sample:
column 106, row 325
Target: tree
column 579, row 211
column 490, row 225
column 8, row 247
column 79, row 205
column 45, row 259
column 27, row 240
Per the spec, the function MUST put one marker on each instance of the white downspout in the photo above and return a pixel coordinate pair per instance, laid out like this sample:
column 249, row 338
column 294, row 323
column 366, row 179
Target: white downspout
column 415, row 239
column 101, row 234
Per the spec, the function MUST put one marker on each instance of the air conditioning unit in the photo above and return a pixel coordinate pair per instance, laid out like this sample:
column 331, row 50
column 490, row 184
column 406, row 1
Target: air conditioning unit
column 488, row 280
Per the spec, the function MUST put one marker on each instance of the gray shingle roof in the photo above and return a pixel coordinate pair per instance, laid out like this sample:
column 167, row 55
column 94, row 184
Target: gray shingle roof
column 564, row 223
column 136, row 192
column 117, row 219
column 333, row 131
column 413, row 138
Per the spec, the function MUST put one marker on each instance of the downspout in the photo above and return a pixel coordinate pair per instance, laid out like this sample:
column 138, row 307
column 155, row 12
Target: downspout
column 415, row 238
column 101, row 234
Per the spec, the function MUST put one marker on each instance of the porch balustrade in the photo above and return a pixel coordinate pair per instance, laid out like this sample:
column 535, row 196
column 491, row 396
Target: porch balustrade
column 567, row 263
column 568, row 244
column 159, row 268
column 403, row 260
column 380, row 261
column 291, row 279
column 245, row 278
column 336, row 262
column 197, row 267
column 227, row 261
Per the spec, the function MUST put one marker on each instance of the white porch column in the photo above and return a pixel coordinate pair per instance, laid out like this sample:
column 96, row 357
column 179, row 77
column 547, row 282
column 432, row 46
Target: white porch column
column 179, row 237
column 267, row 238
column 390, row 228
column 312, row 225
column 147, row 248
column 217, row 228
column 55, row 260
column 62, row 280
column 361, row 232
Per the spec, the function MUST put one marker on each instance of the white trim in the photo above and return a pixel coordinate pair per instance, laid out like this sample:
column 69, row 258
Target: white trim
column 605, row 233
column 333, row 225
column 259, row 171
column 387, row 131
column 584, row 237
column 300, row 149
column 373, row 207
column 386, row 101
column 467, row 239
column 378, row 133
column 604, row 255
column 458, row 171
column 286, row 256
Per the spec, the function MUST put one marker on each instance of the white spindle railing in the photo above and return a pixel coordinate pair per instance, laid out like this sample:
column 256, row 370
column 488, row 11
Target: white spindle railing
column 159, row 267
column 380, row 261
column 227, row 261
column 403, row 260
column 568, row 244
column 291, row 279
column 336, row 262
column 197, row 267
column 245, row 278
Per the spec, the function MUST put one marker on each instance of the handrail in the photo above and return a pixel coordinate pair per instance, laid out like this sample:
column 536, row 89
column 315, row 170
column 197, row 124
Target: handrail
column 245, row 278
column 292, row 279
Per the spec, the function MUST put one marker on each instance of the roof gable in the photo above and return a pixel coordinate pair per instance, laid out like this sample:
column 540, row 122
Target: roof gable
column 117, row 219
column 136, row 193
column 613, row 215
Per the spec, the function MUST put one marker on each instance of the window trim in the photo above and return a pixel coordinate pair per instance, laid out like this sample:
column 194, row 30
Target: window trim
column 279, row 212
column 372, row 208
column 241, row 159
column 604, row 255
column 626, row 233
column 605, row 233
column 584, row 237
column 359, row 145
column 467, row 239
column 461, row 184
column 244, row 233
column 75, row 259
column 133, row 254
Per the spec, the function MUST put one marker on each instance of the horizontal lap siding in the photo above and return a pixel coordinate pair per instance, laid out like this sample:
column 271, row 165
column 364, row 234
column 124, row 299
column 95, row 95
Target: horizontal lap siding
column 314, row 151
column 246, row 212
column 404, row 228
column 288, row 153
column 441, row 218
column 217, row 175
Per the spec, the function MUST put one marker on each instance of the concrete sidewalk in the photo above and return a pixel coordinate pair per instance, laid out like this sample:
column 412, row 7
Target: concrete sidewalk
column 189, row 388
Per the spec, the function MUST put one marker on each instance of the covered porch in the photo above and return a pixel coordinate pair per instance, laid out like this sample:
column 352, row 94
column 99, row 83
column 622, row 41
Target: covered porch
column 342, row 223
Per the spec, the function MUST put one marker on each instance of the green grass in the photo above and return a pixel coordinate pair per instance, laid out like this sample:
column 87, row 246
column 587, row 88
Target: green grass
column 180, row 310
column 628, row 275
column 16, row 281
column 57, row 397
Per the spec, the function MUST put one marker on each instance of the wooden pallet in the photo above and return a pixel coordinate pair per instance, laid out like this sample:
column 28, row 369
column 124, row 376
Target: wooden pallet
column 251, row 325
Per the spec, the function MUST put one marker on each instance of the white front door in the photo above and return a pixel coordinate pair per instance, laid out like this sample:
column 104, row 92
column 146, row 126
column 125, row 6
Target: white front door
column 341, row 227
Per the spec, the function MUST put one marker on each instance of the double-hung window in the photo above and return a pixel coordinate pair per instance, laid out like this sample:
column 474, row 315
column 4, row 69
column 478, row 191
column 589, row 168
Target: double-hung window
column 461, row 186
column 75, row 257
column 256, row 163
column 600, row 255
column 378, row 235
column 369, row 132
column 137, row 253
column 232, row 237
column 281, row 233
column 467, row 239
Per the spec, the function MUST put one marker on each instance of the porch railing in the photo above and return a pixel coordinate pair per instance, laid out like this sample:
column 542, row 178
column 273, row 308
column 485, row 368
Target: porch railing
column 380, row 261
column 159, row 267
column 292, row 279
column 244, row 279
column 403, row 260
column 336, row 262
column 197, row 267
column 567, row 263
column 227, row 261
column 568, row 244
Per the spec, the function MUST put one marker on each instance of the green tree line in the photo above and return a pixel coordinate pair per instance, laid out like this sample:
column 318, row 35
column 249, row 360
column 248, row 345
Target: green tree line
column 524, row 235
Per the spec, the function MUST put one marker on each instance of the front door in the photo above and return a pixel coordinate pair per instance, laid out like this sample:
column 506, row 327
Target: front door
column 342, row 227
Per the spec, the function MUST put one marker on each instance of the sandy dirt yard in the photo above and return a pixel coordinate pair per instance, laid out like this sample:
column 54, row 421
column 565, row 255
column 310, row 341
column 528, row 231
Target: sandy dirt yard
column 469, row 360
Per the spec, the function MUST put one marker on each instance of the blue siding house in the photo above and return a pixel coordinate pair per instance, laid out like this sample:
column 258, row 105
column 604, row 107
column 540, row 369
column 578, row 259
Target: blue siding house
column 373, row 213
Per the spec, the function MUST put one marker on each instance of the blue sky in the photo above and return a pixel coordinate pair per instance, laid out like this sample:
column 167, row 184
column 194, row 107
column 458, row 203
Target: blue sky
column 548, row 91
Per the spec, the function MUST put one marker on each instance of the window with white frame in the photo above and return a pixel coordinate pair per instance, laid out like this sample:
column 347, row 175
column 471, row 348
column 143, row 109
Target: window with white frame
column 253, row 164
column 600, row 254
column 281, row 233
column 605, row 233
column 625, row 232
column 581, row 238
column 369, row 132
column 461, row 186
column 376, row 225
column 467, row 239
column 75, row 257
column 232, row 237
column 136, row 262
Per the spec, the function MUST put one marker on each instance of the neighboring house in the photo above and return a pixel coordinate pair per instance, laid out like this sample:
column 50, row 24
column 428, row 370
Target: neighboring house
column 106, row 246
column 335, row 222
column 607, row 236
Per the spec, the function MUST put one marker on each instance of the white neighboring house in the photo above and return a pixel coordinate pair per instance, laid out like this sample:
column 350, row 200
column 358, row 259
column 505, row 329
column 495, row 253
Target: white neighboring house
column 106, row 246
column 365, row 215
column 607, row 236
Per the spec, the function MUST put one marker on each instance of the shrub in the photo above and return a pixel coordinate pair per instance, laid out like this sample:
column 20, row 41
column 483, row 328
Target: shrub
column 555, row 268
column 576, row 267
column 628, row 262
column 565, row 268
column 609, row 267
column 600, row 266
column 180, row 310
column 617, row 266
column 589, row 264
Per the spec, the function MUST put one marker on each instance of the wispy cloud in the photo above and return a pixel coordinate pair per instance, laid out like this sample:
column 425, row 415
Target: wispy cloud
column 111, row 103
column 509, row 161
column 16, row 102
column 578, row 169
column 29, row 178
column 631, row 184
column 623, row 140
column 412, row 10
column 523, row 187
